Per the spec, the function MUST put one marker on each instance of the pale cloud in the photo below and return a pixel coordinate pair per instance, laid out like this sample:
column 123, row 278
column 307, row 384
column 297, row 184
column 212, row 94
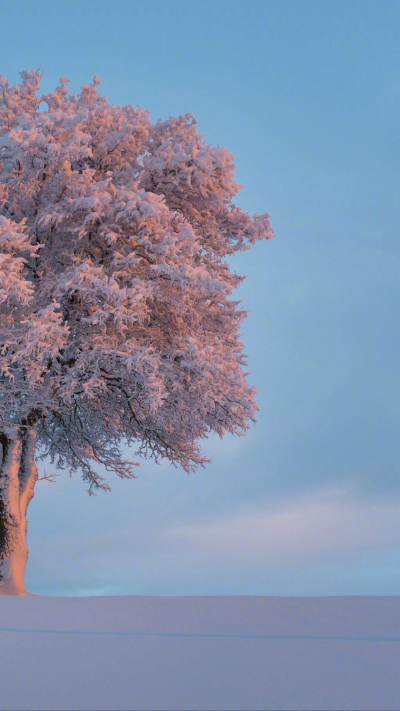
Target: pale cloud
column 258, row 550
column 314, row 526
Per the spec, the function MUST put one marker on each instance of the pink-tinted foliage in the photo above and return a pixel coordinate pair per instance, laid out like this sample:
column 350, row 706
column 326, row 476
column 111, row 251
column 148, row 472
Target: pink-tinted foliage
column 117, row 322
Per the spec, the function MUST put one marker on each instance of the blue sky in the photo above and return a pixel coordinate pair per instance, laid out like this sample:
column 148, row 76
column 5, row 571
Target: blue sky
column 306, row 96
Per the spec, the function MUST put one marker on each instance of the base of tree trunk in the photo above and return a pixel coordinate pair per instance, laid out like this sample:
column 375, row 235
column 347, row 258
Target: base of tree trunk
column 7, row 590
column 18, row 476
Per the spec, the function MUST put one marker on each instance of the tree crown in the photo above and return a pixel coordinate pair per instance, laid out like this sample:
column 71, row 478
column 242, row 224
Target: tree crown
column 117, row 322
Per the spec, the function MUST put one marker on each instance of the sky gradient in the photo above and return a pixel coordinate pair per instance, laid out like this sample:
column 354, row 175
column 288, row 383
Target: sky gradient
column 306, row 96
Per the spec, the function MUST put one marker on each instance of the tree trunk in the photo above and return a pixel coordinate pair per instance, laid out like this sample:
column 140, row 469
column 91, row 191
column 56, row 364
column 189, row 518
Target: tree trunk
column 18, row 476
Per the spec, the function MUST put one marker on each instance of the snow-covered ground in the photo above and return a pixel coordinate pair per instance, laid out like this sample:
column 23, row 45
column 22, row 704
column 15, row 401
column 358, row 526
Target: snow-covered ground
column 199, row 653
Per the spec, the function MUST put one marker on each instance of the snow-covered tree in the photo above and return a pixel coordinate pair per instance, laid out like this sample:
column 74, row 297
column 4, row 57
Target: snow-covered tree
column 117, row 326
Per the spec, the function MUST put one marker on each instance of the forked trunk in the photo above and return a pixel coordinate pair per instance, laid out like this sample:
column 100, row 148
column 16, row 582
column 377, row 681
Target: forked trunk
column 18, row 476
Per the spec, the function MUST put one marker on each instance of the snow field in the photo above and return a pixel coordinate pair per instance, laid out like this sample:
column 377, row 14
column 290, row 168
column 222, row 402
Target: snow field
column 199, row 653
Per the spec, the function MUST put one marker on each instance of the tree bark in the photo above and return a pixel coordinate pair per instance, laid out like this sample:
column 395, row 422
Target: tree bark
column 18, row 476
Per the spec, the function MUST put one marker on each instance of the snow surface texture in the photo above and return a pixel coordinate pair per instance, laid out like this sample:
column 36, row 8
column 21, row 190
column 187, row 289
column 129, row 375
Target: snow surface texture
column 199, row 653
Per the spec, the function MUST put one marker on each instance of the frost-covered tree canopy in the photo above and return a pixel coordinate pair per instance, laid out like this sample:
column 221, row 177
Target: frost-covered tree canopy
column 116, row 318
